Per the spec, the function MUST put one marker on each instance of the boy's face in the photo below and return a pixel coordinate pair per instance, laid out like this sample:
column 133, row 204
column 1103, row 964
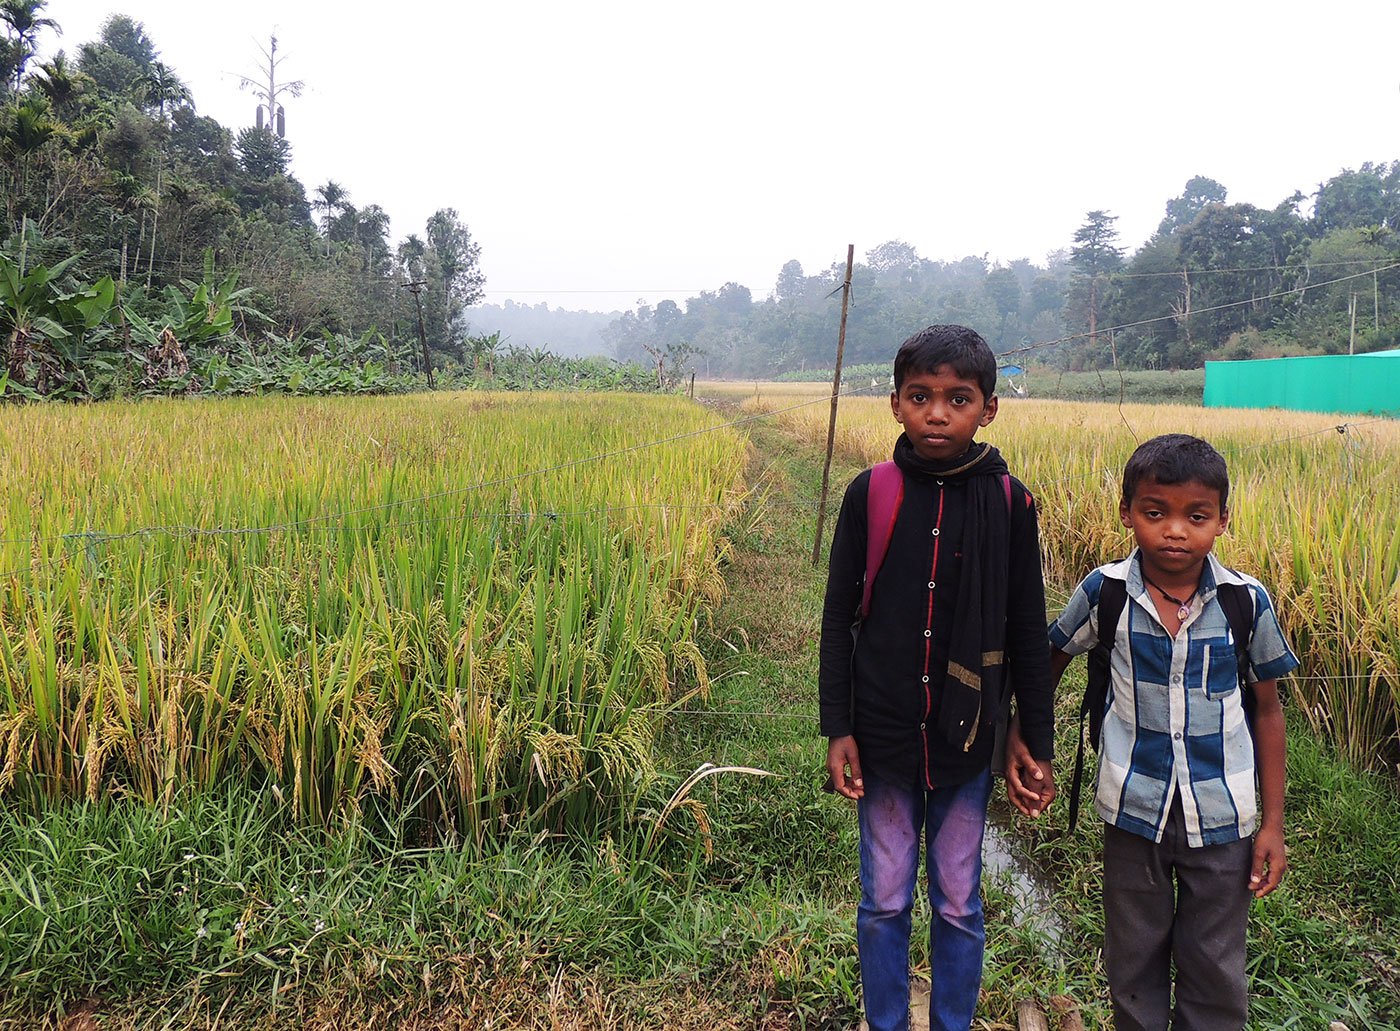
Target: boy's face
column 1175, row 525
column 941, row 411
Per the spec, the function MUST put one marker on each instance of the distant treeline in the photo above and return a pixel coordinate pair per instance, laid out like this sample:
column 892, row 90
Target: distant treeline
column 557, row 329
column 1215, row 280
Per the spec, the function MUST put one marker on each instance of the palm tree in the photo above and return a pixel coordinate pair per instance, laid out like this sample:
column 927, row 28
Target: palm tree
column 25, row 133
column 22, row 26
column 159, row 85
column 63, row 84
column 371, row 230
column 331, row 199
column 411, row 254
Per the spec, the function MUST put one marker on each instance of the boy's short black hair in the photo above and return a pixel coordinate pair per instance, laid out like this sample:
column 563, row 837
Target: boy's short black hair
column 1177, row 458
column 961, row 349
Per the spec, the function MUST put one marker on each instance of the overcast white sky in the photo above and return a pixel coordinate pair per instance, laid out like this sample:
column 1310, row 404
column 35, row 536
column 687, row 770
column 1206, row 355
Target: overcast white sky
column 609, row 152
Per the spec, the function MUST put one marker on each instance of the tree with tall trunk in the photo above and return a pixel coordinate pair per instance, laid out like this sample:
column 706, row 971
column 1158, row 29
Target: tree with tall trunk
column 1094, row 257
column 22, row 27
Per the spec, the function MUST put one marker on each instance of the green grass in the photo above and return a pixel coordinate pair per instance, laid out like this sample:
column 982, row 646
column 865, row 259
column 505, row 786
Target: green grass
column 742, row 917
column 1324, row 946
column 1144, row 386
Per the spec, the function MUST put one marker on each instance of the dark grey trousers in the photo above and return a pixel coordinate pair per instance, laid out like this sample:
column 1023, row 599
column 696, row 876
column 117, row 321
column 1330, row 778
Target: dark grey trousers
column 1168, row 904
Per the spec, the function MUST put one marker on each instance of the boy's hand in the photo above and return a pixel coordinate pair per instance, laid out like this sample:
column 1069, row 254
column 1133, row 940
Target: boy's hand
column 842, row 755
column 1270, row 862
column 1030, row 783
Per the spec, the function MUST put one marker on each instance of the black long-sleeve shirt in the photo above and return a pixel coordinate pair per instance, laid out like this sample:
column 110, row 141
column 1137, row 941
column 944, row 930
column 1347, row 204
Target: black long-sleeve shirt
column 878, row 684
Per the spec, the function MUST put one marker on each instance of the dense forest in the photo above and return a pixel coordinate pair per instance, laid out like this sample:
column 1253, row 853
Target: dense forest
column 148, row 248
column 106, row 156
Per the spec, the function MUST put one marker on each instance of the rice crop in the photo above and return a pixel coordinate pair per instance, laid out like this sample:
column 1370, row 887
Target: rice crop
column 358, row 603
column 1313, row 515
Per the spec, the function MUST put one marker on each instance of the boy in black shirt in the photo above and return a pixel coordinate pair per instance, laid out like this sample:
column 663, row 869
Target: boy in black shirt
column 913, row 700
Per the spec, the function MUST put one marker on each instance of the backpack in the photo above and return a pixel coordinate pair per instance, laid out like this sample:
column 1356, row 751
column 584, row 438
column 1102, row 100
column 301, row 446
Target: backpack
column 883, row 498
column 1235, row 599
column 885, row 495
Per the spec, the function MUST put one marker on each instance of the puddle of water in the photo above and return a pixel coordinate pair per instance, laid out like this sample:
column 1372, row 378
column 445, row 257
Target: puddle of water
column 1033, row 903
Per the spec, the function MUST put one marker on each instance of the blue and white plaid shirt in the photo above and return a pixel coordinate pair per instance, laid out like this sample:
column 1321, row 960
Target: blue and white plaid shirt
column 1175, row 717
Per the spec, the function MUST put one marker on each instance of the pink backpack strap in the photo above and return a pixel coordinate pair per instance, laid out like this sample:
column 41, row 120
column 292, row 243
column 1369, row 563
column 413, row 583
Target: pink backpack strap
column 886, row 492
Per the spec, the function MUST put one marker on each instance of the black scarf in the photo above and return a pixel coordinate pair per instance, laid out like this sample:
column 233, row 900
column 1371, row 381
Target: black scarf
column 973, row 687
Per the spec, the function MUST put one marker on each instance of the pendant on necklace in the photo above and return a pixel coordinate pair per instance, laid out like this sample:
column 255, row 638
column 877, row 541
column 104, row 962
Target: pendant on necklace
column 1183, row 612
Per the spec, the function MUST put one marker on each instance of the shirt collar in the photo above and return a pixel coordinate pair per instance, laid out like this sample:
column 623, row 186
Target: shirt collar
column 1211, row 575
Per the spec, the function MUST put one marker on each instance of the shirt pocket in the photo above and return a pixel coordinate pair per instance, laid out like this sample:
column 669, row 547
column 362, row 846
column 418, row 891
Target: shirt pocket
column 1220, row 669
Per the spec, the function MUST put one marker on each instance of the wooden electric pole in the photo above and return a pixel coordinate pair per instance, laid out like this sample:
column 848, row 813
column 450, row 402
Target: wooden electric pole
column 1186, row 292
column 416, row 289
column 835, row 397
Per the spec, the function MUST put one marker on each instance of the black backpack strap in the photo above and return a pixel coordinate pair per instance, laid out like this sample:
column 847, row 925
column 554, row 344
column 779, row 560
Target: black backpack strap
column 1238, row 602
column 1113, row 595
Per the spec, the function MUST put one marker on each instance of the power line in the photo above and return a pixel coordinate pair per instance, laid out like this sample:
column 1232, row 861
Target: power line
column 195, row 266
column 1177, row 317
column 1381, row 265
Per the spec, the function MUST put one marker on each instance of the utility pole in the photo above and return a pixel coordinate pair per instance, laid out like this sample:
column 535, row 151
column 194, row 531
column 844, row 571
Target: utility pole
column 1094, row 314
column 416, row 289
column 835, row 397
column 1351, row 343
column 1186, row 290
column 267, row 89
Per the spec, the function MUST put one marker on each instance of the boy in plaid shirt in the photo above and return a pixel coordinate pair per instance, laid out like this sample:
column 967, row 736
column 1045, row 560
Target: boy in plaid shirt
column 1186, row 839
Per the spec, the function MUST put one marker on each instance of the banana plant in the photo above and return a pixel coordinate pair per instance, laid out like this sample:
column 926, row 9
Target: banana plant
column 45, row 326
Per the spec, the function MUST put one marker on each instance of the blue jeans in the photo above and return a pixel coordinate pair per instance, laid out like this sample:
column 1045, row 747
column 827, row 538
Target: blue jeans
column 953, row 820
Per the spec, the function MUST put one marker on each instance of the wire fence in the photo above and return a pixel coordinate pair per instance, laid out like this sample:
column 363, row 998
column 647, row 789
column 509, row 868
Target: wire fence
column 338, row 522
column 89, row 539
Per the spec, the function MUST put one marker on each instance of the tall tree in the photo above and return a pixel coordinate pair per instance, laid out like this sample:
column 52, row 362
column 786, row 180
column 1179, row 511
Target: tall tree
column 262, row 154
column 1004, row 290
column 454, row 271
column 1368, row 196
column 1200, row 191
column 23, row 24
column 122, row 54
column 1094, row 257
column 331, row 199
column 371, row 233
column 411, row 256
column 63, row 84
column 160, row 87
column 792, row 283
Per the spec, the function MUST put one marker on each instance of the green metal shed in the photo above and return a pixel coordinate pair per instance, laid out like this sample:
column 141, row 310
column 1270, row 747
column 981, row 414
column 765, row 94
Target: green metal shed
column 1368, row 383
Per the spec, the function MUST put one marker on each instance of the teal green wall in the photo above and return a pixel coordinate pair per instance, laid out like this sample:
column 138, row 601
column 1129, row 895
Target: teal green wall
column 1361, row 383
